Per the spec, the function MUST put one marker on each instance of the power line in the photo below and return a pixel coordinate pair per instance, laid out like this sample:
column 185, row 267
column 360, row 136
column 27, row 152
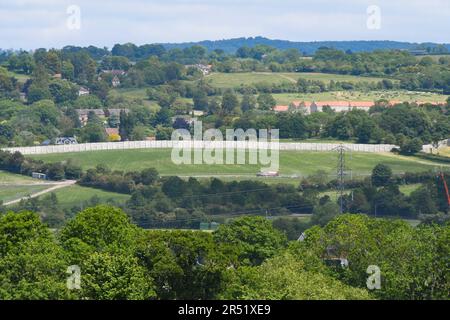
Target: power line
column 237, row 213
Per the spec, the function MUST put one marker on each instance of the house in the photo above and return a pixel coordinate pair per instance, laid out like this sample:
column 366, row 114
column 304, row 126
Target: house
column 23, row 96
column 83, row 114
column 38, row 175
column 57, row 76
column 198, row 113
column 204, row 68
column 281, row 108
column 65, row 140
column 112, row 131
column 304, row 107
column 115, row 82
column 115, row 72
column 338, row 106
column 113, row 134
column 83, row 91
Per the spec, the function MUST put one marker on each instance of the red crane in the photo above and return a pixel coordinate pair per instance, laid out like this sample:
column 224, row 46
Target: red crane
column 446, row 188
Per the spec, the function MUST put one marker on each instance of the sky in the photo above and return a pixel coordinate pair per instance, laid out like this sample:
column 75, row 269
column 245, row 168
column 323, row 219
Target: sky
column 31, row 24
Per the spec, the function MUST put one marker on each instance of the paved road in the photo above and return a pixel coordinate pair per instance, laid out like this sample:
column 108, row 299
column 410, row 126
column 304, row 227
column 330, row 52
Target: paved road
column 54, row 186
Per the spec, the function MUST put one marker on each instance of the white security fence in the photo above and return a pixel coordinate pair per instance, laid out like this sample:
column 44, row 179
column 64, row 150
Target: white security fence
column 293, row 146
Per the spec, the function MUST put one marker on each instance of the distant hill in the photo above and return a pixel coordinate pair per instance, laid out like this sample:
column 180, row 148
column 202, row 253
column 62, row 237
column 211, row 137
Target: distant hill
column 231, row 45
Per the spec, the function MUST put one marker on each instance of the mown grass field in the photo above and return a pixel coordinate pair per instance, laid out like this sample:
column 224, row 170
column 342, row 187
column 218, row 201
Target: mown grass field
column 445, row 151
column 11, row 192
column 22, row 78
column 406, row 189
column 435, row 57
column 291, row 163
column 10, row 178
column 233, row 80
column 141, row 94
column 76, row 195
column 286, row 98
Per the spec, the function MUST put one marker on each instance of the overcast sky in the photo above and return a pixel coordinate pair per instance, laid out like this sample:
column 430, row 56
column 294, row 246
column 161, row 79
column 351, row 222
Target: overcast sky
column 30, row 24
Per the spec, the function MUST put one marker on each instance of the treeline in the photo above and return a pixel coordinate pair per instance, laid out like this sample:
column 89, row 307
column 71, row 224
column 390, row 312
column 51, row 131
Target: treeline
column 244, row 259
column 174, row 202
column 177, row 203
column 406, row 125
column 17, row 163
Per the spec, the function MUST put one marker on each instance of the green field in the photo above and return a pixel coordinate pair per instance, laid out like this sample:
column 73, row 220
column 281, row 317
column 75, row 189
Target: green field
column 11, row 178
column 291, row 163
column 76, row 195
column 11, row 192
column 233, row 80
column 141, row 94
column 406, row 189
column 435, row 57
column 22, row 78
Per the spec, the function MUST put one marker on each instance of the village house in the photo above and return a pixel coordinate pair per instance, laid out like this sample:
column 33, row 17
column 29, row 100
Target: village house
column 83, row 114
column 205, row 69
column 115, row 82
column 65, row 140
column 83, row 91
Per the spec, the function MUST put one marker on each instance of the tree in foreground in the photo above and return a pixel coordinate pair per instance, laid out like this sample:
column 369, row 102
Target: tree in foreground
column 255, row 238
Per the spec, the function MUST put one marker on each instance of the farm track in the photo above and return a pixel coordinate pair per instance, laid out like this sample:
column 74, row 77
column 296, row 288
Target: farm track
column 54, row 186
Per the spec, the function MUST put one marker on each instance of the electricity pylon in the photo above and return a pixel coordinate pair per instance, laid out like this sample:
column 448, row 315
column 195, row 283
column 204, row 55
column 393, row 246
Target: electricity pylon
column 341, row 173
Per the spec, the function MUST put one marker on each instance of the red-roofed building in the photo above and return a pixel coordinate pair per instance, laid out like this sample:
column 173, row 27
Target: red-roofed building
column 308, row 107
column 281, row 108
column 111, row 131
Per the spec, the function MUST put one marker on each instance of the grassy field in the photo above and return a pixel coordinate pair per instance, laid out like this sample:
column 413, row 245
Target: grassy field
column 141, row 94
column 406, row 189
column 286, row 98
column 409, row 96
column 291, row 163
column 233, row 80
column 318, row 140
column 22, row 78
column 11, row 192
column 10, row 178
column 76, row 195
column 435, row 57
column 444, row 151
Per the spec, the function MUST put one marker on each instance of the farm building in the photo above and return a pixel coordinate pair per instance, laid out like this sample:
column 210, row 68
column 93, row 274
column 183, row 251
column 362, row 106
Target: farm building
column 38, row 175
column 307, row 107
